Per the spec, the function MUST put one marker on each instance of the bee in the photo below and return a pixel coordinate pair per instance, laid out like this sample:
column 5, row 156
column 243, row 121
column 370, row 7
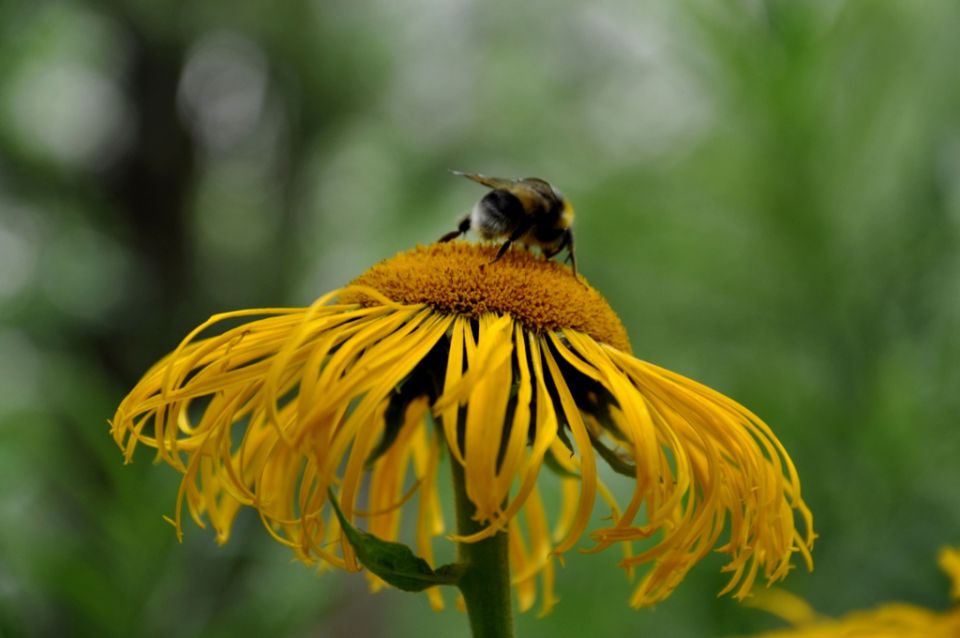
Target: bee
column 529, row 211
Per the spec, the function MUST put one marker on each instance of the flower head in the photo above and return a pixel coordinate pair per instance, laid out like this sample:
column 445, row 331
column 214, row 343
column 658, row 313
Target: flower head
column 505, row 368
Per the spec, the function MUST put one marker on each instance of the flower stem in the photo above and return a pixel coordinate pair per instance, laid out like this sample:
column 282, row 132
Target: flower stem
column 485, row 583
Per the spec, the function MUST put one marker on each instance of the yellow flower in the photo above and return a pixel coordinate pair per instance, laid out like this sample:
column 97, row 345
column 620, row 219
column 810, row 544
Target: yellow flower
column 949, row 561
column 505, row 368
column 891, row 620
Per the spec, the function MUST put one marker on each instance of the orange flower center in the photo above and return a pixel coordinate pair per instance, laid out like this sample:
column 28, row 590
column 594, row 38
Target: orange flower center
column 458, row 278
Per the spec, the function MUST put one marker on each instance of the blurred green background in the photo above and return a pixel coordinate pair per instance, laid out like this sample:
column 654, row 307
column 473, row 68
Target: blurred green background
column 767, row 192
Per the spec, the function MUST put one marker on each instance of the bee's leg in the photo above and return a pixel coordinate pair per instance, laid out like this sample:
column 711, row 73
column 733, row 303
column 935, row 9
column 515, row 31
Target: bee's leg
column 550, row 254
column 568, row 244
column 571, row 256
column 462, row 228
column 517, row 233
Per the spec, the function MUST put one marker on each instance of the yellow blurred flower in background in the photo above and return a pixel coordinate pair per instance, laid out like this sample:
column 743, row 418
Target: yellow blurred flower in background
column 891, row 620
column 504, row 369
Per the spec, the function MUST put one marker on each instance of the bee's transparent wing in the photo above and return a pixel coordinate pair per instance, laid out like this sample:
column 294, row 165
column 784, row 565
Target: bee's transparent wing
column 489, row 182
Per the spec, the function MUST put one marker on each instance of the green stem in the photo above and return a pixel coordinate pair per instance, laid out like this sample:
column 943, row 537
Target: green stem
column 485, row 583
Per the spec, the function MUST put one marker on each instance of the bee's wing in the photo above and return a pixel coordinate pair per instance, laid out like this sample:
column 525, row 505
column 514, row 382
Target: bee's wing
column 489, row 182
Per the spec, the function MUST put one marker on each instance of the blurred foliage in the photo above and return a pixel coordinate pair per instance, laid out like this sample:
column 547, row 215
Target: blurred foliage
column 769, row 194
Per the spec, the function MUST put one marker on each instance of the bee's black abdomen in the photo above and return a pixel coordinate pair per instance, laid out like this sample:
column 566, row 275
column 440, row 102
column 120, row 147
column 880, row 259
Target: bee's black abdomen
column 500, row 211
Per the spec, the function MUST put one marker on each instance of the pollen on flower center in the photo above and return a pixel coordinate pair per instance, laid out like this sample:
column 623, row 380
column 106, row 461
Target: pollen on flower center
column 458, row 278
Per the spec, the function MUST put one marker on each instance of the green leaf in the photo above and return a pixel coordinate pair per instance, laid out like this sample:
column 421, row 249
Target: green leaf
column 616, row 463
column 394, row 562
column 554, row 465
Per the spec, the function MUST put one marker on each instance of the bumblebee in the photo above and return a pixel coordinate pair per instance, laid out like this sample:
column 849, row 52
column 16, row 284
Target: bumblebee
column 529, row 211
